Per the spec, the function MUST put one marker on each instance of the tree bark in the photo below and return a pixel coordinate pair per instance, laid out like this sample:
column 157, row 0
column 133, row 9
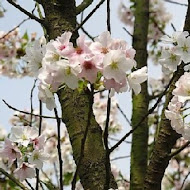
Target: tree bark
column 167, row 136
column 60, row 16
column 140, row 102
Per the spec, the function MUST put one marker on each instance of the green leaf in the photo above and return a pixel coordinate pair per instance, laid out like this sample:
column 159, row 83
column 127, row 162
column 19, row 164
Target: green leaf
column 25, row 36
column 67, row 178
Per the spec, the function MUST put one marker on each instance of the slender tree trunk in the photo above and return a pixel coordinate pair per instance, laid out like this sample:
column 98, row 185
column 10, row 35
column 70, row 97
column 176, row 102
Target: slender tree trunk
column 140, row 102
column 167, row 136
column 60, row 16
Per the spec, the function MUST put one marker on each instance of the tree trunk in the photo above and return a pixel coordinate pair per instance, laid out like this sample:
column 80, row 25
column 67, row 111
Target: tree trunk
column 167, row 136
column 60, row 16
column 140, row 102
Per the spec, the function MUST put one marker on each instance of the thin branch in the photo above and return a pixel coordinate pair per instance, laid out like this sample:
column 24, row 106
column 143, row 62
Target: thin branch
column 174, row 28
column 41, row 185
column 120, row 157
column 100, row 91
column 82, row 28
column 26, row 12
column 82, row 16
column 127, row 32
column 28, row 183
column 174, row 2
column 59, row 149
column 56, row 173
column 31, row 101
column 108, row 16
column 12, row 178
column 149, row 112
column 124, row 115
column 114, row 139
column 28, row 113
column 180, row 149
column 91, row 100
column 92, row 38
column 106, row 134
column 14, row 28
column 40, row 121
column 89, row 15
column 80, row 8
column 106, row 131
column 40, row 130
column 184, row 180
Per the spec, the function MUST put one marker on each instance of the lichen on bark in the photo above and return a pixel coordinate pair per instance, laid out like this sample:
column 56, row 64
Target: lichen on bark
column 140, row 102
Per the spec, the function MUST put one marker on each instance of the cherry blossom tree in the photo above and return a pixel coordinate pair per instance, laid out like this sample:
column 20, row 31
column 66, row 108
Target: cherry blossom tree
column 82, row 74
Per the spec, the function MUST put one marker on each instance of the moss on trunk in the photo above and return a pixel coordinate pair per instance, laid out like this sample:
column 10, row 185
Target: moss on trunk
column 140, row 102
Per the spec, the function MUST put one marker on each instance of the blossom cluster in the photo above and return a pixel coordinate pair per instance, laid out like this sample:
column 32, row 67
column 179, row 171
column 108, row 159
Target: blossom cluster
column 25, row 147
column 106, row 63
column 177, row 111
column 178, row 50
column 12, row 48
column 26, row 150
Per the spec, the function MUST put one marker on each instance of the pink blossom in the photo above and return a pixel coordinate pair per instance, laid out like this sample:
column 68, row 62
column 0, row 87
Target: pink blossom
column 38, row 143
column 182, row 89
column 102, row 44
column 90, row 65
column 10, row 151
column 62, row 44
column 25, row 171
column 82, row 47
column 115, row 65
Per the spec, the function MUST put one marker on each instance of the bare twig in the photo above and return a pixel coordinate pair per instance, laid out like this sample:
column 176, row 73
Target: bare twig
column 15, row 109
column 26, row 12
column 84, row 138
column 89, row 15
column 92, row 38
column 56, row 172
column 124, row 115
column 59, row 149
column 108, row 16
column 12, row 178
column 174, row 2
column 29, row 184
column 40, row 121
column 40, row 130
column 184, row 180
column 120, row 157
column 114, row 139
column 31, row 101
column 80, row 8
column 174, row 28
column 106, row 134
column 106, row 130
column 180, row 149
column 127, row 32
column 14, row 28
